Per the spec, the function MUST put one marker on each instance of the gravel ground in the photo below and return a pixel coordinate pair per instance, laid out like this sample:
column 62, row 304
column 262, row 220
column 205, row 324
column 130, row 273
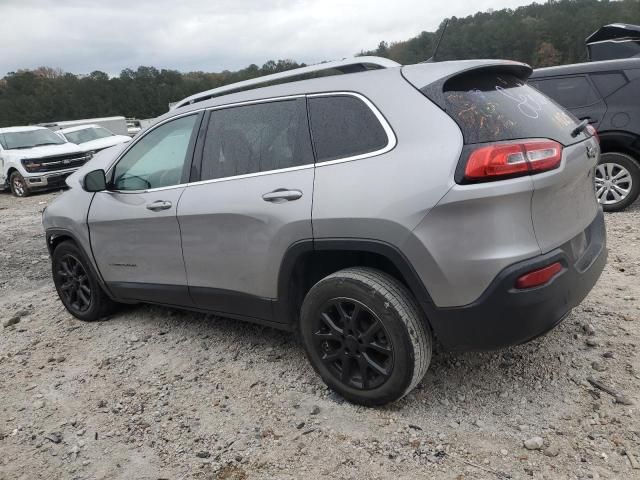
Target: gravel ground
column 155, row 393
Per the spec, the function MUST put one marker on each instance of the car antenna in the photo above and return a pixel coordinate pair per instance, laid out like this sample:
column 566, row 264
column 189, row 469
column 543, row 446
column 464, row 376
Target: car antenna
column 432, row 58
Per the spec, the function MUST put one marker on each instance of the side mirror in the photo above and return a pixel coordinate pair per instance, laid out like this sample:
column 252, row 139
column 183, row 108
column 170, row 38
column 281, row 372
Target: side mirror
column 95, row 181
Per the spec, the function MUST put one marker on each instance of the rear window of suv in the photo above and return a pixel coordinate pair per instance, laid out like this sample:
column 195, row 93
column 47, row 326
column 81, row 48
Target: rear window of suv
column 491, row 107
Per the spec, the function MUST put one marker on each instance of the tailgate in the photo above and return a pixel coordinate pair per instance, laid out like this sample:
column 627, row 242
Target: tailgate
column 564, row 202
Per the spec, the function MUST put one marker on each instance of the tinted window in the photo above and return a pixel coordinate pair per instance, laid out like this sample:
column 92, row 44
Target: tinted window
column 158, row 159
column 344, row 126
column 570, row 92
column 491, row 107
column 256, row 138
column 607, row 83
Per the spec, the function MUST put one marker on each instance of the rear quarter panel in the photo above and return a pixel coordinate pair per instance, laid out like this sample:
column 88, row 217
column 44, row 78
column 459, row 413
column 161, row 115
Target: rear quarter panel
column 384, row 197
column 473, row 233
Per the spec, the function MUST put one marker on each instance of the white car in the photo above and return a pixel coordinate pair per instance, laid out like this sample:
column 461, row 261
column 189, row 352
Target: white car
column 35, row 158
column 92, row 138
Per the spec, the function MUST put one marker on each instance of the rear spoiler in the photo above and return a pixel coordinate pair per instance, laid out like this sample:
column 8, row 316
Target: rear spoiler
column 431, row 77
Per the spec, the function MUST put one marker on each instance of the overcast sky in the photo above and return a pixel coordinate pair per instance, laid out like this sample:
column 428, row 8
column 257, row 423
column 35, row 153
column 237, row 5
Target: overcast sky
column 210, row 35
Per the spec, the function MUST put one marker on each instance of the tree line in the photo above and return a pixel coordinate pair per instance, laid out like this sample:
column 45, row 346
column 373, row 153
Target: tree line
column 539, row 34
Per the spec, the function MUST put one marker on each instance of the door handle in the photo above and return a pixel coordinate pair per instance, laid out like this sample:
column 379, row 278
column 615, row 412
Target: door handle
column 282, row 195
column 159, row 205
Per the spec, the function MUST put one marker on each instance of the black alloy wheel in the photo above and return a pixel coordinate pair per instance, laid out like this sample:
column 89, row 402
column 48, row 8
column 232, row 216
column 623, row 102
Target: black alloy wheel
column 352, row 341
column 365, row 335
column 78, row 285
column 73, row 284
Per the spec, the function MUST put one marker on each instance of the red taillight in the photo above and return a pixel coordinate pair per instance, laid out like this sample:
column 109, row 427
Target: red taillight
column 512, row 159
column 593, row 132
column 538, row 277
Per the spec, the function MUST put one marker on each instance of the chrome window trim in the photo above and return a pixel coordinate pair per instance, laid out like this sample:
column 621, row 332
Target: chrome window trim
column 251, row 175
column 391, row 140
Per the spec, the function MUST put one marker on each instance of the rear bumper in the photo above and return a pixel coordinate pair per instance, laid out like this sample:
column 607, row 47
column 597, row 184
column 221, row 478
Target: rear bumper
column 505, row 316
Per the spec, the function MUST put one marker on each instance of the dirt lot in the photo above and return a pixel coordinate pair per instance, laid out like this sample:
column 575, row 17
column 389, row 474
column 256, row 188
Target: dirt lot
column 162, row 394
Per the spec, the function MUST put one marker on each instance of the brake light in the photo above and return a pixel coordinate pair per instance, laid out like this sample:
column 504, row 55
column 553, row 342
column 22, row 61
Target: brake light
column 538, row 277
column 593, row 132
column 491, row 162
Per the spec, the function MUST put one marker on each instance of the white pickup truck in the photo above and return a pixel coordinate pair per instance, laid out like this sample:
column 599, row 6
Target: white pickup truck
column 35, row 158
column 92, row 138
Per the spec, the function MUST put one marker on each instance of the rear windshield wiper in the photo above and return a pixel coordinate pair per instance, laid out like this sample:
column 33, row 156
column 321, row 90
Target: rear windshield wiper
column 580, row 128
column 46, row 143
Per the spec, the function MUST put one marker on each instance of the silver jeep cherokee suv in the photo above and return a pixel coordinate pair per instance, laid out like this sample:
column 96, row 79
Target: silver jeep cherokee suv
column 372, row 211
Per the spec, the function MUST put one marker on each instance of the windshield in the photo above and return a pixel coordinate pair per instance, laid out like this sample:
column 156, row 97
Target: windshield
column 491, row 107
column 29, row 139
column 87, row 134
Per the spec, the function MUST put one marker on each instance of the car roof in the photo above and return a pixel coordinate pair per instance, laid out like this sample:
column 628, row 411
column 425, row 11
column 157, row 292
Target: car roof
column 587, row 67
column 21, row 129
column 79, row 127
column 358, row 82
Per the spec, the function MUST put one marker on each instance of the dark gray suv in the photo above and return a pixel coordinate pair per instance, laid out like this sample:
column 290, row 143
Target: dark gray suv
column 607, row 95
column 370, row 211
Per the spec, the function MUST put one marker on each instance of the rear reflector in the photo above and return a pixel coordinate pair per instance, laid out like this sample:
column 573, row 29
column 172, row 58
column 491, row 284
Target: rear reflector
column 538, row 277
column 512, row 159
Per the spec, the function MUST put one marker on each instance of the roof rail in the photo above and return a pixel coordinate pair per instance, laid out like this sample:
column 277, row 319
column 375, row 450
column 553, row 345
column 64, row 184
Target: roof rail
column 350, row 65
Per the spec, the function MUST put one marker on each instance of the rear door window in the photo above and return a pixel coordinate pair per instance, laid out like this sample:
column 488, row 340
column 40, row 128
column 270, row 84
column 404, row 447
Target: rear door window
column 490, row 107
column 256, row 138
column 570, row 92
column 344, row 126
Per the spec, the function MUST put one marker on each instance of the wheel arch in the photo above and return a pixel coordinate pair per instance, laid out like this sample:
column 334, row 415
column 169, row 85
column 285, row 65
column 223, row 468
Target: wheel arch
column 620, row 141
column 55, row 236
column 308, row 261
column 10, row 172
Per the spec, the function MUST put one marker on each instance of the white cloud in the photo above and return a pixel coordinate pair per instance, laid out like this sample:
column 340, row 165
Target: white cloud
column 80, row 36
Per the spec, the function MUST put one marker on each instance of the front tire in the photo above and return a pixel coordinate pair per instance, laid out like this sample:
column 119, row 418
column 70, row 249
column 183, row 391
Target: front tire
column 617, row 181
column 18, row 185
column 365, row 335
column 77, row 284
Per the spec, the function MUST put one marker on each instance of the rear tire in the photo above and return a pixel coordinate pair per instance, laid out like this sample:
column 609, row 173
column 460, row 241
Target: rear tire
column 617, row 181
column 18, row 185
column 365, row 335
column 77, row 284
